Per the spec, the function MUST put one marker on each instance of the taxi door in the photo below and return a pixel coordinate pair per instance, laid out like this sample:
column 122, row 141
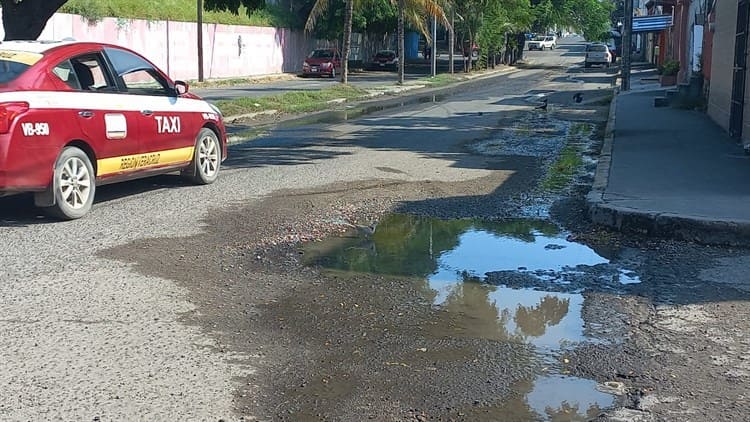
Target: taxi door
column 166, row 124
column 105, row 121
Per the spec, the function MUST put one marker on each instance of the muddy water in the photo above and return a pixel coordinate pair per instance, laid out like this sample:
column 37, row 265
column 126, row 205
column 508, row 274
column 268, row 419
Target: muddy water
column 515, row 282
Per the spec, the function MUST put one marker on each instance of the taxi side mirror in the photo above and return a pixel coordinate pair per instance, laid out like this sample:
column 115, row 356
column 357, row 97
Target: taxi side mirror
column 181, row 87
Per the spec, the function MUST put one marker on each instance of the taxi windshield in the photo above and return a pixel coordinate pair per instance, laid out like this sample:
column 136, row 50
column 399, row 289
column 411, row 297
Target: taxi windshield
column 14, row 63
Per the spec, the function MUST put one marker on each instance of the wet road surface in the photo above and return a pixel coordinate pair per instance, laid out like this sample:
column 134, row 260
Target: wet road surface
column 201, row 303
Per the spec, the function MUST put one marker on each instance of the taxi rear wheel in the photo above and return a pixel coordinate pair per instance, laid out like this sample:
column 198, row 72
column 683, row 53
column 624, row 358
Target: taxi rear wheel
column 206, row 158
column 73, row 186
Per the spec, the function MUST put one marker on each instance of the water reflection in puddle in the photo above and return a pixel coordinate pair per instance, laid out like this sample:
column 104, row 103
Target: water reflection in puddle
column 578, row 398
column 452, row 251
column 547, row 320
column 482, row 250
column 516, row 280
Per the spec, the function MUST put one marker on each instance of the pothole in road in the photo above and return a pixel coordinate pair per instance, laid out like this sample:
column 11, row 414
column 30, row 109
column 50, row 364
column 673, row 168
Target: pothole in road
column 535, row 135
column 516, row 281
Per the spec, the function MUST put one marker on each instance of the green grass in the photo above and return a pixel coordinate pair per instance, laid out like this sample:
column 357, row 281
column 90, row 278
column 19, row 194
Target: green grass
column 291, row 102
column 174, row 10
column 217, row 83
column 562, row 171
column 579, row 129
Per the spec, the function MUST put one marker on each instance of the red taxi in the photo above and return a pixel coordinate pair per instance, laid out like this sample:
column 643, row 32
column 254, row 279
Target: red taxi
column 74, row 115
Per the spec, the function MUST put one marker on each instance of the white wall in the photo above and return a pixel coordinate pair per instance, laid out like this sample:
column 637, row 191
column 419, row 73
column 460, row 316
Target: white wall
column 229, row 50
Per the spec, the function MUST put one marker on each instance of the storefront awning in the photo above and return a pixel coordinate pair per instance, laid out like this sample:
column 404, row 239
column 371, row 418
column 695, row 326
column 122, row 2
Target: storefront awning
column 651, row 23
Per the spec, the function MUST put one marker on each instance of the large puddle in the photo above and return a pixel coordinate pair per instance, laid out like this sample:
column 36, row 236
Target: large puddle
column 515, row 280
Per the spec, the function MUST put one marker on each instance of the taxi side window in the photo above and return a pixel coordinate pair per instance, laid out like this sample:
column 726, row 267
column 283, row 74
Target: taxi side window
column 90, row 74
column 138, row 75
column 142, row 82
column 65, row 72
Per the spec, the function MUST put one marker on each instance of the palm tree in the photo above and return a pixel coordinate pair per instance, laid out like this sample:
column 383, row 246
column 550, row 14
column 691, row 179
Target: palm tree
column 414, row 11
column 349, row 11
column 401, row 43
column 318, row 9
column 451, row 38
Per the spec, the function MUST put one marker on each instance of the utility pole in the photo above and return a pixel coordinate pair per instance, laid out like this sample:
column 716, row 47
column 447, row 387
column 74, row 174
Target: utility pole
column 200, row 40
column 433, row 56
column 452, row 40
column 627, row 42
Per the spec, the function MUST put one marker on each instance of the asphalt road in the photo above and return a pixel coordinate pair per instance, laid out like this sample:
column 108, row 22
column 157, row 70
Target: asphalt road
column 87, row 337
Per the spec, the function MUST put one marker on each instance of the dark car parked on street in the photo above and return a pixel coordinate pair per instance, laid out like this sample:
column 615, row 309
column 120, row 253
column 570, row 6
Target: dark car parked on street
column 384, row 59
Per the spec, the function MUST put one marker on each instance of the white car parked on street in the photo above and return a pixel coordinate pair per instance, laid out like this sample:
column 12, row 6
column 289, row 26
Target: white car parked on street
column 597, row 54
column 543, row 43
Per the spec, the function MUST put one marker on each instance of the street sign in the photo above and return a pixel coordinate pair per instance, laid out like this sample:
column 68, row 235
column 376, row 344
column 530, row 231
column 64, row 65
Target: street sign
column 651, row 23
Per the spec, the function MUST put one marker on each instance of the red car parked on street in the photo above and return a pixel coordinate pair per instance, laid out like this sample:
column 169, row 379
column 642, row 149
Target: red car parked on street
column 322, row 62
column 74, row 115
column 384, row 59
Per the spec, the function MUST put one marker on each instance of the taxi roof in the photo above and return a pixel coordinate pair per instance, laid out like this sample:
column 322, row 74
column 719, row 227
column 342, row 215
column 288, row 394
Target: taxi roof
column 35, row 46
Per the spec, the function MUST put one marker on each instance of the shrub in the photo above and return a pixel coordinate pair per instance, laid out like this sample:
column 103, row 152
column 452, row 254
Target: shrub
column 91, row 10
column 670, row 67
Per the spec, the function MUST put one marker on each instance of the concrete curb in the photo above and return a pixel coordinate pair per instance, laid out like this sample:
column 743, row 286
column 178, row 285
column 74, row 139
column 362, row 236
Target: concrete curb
column 665, row 225
column 601, row 177
column 239, row 117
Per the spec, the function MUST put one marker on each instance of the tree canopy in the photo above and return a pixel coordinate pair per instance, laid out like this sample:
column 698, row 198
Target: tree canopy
column 234, row 5
column 26, row 19
column 590, row 18
column 502, row 19
column 486, row 22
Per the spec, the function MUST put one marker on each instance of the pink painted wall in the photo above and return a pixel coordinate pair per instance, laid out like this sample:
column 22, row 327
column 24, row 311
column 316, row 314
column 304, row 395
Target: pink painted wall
column 229, row 50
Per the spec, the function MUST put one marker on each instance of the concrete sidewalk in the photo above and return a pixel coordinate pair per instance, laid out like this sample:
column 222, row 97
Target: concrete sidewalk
column 672, row 173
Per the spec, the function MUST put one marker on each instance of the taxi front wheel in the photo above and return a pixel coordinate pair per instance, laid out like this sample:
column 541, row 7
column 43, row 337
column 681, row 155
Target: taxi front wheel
column 206, row 158
column 73, row 186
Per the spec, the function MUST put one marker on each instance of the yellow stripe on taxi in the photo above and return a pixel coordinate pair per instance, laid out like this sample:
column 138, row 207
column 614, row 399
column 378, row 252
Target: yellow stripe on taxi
column 127, row 163
column 23, row 57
